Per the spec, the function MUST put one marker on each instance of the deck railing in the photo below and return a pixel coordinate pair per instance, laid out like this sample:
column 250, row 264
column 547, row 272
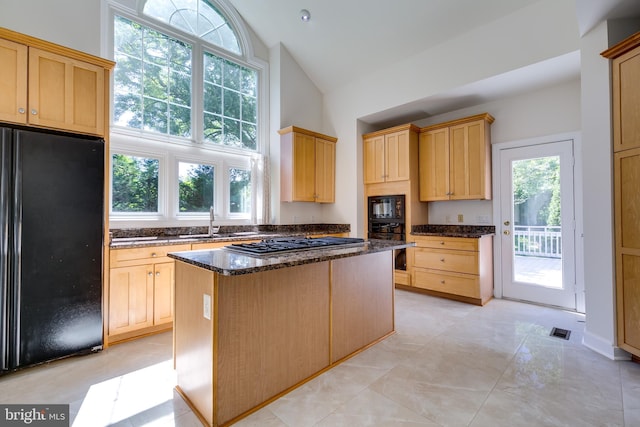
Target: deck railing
column 541, row 241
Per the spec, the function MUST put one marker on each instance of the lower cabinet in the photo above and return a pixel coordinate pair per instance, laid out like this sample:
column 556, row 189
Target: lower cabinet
column 140, row 291
column 459, row 268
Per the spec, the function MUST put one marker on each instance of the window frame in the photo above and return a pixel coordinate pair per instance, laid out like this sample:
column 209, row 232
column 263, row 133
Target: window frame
column 173, row 149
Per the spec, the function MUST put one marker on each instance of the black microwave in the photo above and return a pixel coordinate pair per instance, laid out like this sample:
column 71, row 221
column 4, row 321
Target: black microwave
column 386, row 208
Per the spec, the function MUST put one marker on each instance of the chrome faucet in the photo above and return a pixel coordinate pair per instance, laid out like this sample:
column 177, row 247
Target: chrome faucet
column 212, row 230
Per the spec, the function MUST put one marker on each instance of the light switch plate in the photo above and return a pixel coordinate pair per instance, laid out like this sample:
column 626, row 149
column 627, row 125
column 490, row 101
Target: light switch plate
column 206, row 306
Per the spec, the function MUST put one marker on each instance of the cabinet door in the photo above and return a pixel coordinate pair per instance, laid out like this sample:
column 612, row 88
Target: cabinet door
column 374, row 161
column 626, row 100
column 434, row 165
column 397, row 156
column 163, row 293
column 304, row 167
column 325, row 171
column 627, row 220
column 13, row 82
column 468, row 158
column 65, row 93
column 130, row 298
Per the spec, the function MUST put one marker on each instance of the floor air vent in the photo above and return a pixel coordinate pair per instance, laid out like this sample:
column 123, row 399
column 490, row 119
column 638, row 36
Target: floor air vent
column 560, row 333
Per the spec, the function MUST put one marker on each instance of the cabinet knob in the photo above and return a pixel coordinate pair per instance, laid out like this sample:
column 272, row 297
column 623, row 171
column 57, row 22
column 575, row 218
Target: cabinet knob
column 150, row 274
column 157, row 273
column 442, row 243
column 441, row 259
column 442, row 282
column 21, row 110
column 153, row 254
column 34, row 111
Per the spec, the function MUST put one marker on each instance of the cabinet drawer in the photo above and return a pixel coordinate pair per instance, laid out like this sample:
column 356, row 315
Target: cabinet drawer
column 451, row 283
column 154, row 254
column 401, row 278
column 458, row 261
column 437, row 242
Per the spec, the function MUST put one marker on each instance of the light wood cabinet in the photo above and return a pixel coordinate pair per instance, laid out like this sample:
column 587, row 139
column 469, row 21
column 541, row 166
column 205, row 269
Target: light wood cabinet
column 454, row 267
column 307, row 164
column 387, row 154
column 49, row 86
column 140, row 297
column 13, row 82
column 625, row 68
column 455, row 160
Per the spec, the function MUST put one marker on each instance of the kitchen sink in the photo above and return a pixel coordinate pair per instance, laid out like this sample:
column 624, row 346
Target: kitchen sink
column 196, row 236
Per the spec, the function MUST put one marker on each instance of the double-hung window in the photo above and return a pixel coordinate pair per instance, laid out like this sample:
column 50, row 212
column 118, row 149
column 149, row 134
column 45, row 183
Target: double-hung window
column 186, row 118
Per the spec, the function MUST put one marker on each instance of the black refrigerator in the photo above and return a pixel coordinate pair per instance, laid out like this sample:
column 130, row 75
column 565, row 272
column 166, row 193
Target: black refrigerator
column 51, row 237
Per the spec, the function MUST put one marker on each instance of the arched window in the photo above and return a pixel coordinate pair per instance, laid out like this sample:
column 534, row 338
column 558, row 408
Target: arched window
column 197, row 17
column 186, row 114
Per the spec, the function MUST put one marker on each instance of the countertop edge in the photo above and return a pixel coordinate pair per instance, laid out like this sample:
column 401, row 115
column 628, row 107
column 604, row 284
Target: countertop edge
column 288, row 260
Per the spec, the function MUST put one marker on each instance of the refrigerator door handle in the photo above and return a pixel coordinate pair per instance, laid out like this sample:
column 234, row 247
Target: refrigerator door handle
column 5, row 192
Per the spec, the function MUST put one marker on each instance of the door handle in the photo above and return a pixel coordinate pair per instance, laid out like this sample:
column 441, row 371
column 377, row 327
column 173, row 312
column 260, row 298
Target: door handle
column 507, row 223
column 506, row 232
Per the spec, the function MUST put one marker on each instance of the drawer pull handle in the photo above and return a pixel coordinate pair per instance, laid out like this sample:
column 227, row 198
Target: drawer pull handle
column 442, row 282
column 153, row 254
column 441, row 259
column 442, row 243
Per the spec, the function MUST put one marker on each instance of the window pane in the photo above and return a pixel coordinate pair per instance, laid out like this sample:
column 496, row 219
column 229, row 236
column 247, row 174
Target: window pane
column 134, row 184
column 197, row 17
column 195, row 187
column 229, row 91
column 151, row 69
column 239, row 190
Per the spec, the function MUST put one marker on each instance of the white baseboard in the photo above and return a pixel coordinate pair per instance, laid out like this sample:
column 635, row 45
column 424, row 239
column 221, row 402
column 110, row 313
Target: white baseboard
column 604, row 347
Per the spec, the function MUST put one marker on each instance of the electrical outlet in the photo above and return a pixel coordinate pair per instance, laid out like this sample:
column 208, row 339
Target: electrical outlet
column 206, row 306
column 460, row 218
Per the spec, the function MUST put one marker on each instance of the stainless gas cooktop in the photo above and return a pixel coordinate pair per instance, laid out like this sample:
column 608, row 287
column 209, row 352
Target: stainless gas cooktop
column 286, row 245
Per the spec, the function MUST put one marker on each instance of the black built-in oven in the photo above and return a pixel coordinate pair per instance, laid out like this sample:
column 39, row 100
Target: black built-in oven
column 387, row 221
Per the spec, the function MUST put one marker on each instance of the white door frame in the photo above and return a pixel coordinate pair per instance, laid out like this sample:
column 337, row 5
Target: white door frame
column 578, row 189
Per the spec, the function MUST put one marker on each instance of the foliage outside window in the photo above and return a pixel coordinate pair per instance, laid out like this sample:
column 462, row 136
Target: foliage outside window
column 180, row 88
column 230, row 113
column 152, row 80
column 134, row 184
column 239, row 190
column 536, row 187
column 196, row 185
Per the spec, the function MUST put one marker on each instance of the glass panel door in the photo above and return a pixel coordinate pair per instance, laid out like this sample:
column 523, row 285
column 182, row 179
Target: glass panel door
column 537, row 218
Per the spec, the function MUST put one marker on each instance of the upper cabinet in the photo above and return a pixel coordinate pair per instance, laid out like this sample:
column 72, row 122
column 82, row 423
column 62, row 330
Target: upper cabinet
column 625, row 69
column 308, row 163
column 455, row 160
column 387, row 154
column 49, row 86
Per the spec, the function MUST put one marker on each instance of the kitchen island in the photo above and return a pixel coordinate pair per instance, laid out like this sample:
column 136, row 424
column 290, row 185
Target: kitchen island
column 249, row 329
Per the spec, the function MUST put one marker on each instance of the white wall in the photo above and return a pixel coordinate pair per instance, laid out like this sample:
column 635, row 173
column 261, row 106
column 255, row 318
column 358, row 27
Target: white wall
column 546, row 111
column 71, row 23
column 507, row 44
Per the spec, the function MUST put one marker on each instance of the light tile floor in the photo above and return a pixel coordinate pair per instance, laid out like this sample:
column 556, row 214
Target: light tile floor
column 449, row 364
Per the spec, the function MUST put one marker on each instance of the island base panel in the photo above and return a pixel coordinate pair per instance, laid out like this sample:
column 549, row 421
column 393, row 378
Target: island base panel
column 193, row 338
column 273, row 332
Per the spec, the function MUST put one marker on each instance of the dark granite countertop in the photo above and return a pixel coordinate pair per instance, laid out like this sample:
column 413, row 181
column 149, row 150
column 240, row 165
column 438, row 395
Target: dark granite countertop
column 142, row 237
column 231, row 263
column 445, row 230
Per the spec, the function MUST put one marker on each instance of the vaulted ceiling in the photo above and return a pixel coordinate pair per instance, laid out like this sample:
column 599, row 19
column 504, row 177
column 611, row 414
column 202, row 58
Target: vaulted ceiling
column 345, row 39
